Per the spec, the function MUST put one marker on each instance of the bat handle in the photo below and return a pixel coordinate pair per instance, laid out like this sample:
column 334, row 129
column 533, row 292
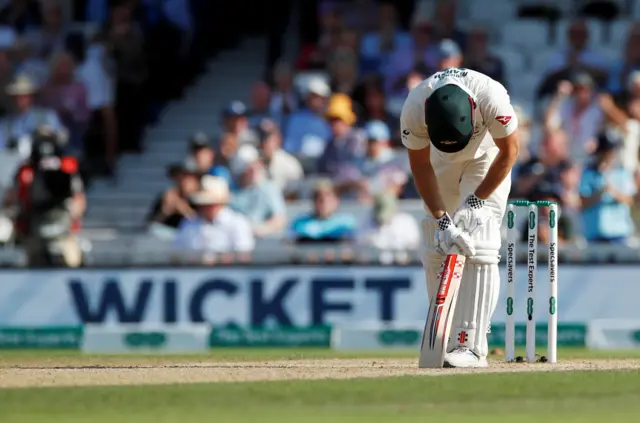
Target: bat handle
column 455, row 250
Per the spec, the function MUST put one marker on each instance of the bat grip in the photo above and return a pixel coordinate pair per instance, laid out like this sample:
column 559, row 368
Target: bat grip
column 455, row 250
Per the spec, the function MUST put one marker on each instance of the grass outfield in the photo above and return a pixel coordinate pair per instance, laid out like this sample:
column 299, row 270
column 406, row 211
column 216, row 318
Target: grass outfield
column 536, row 397
column 562, row 396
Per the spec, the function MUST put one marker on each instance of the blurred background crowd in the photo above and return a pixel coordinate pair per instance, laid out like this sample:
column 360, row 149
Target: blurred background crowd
column 197, row 128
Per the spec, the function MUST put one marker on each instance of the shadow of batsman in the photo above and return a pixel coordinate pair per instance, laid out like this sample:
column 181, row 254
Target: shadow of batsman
column 441, row 308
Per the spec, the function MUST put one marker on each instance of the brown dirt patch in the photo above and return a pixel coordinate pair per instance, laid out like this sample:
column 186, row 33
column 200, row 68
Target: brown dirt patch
column 55, row 376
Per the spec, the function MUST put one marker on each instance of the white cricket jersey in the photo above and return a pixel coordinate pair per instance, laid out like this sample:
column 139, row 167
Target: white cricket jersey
column 494, row 115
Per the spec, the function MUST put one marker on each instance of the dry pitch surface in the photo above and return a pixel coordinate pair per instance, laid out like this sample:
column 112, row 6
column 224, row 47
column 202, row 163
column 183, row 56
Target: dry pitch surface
column 59, row 374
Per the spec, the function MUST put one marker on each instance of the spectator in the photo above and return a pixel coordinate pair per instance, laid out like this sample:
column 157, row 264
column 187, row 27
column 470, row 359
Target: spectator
column 227, row 149
column 256, row 197
column 217, row 228
column 6, row 74
column 324, row 223
column 307, row 130
column 343, row 69
column 346, row 145
column 445, row 23
column 421, row 56
column 626, row 127
column 575, row 110
column 172, row 206
column 332, row 26
column 449, row 55
column 524, row 137
column 284, row 99
column 16, row 128
column 49, row 39
column 382, row 168
column 607, row 191
column 101, row 138
column 203, row 158
column 566, row 232
column 374, row 107
column 68, row 97
column 236, row 123
column 126, row 41
column 377, row 45
column 260, row 99
column 282, row 168
column 621, row 71
column 478, row 57
column 362, row 13
column 387, row 228
column 25, row 62
column 551, row 166
column 577, row 57
column 380, row 171
column 350, row 41
column 21, row 14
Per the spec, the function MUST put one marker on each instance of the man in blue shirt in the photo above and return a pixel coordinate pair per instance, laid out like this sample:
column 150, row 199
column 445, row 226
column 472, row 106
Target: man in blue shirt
column 607, row 191
column 307, row 131
column 257, row 197
column 324, row 224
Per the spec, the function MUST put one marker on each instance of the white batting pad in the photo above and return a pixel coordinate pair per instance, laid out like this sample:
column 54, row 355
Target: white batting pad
column 478, row 295
column 431, row 259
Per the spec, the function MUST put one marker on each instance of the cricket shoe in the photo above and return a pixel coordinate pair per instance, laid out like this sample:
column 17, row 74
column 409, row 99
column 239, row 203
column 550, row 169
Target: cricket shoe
column 463, row 357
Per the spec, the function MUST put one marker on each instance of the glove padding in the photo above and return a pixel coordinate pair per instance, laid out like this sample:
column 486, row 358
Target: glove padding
column 447, row 235
column 472, row 215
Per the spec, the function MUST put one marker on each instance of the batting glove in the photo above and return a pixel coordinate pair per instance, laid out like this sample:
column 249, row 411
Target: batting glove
column 448, row 235
column 472, row 215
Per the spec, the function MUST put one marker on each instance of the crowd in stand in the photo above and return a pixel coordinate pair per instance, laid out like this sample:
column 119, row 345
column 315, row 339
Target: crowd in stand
column 337, row 131
column 323, row 126
column 98, row 71
column 92, row 75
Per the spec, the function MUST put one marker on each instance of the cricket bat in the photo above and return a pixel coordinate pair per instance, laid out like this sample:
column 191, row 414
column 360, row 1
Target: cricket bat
column 441, row 308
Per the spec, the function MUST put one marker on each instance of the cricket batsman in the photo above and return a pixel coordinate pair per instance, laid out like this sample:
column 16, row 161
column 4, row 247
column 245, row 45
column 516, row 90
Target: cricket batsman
column 460, row 129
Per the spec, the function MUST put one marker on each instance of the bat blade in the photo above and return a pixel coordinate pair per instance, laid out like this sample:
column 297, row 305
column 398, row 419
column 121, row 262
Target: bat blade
column 441, row 307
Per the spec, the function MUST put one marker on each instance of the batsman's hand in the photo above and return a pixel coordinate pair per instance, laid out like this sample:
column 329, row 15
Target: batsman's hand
column 472, row 215
column 447, row 235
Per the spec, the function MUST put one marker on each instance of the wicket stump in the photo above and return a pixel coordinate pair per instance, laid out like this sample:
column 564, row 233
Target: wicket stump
column 532, row 259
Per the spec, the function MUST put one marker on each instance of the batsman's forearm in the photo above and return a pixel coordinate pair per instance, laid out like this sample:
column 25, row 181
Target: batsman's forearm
column 498, row 171
column 427, row 185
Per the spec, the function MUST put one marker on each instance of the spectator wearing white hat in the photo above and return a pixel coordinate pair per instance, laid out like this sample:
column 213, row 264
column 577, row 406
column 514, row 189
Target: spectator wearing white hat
column 257, row 197
column 217, row 229
column 307, row 131
column 16, row 129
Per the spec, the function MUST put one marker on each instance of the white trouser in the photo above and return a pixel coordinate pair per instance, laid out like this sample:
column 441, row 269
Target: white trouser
column 480, row 283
